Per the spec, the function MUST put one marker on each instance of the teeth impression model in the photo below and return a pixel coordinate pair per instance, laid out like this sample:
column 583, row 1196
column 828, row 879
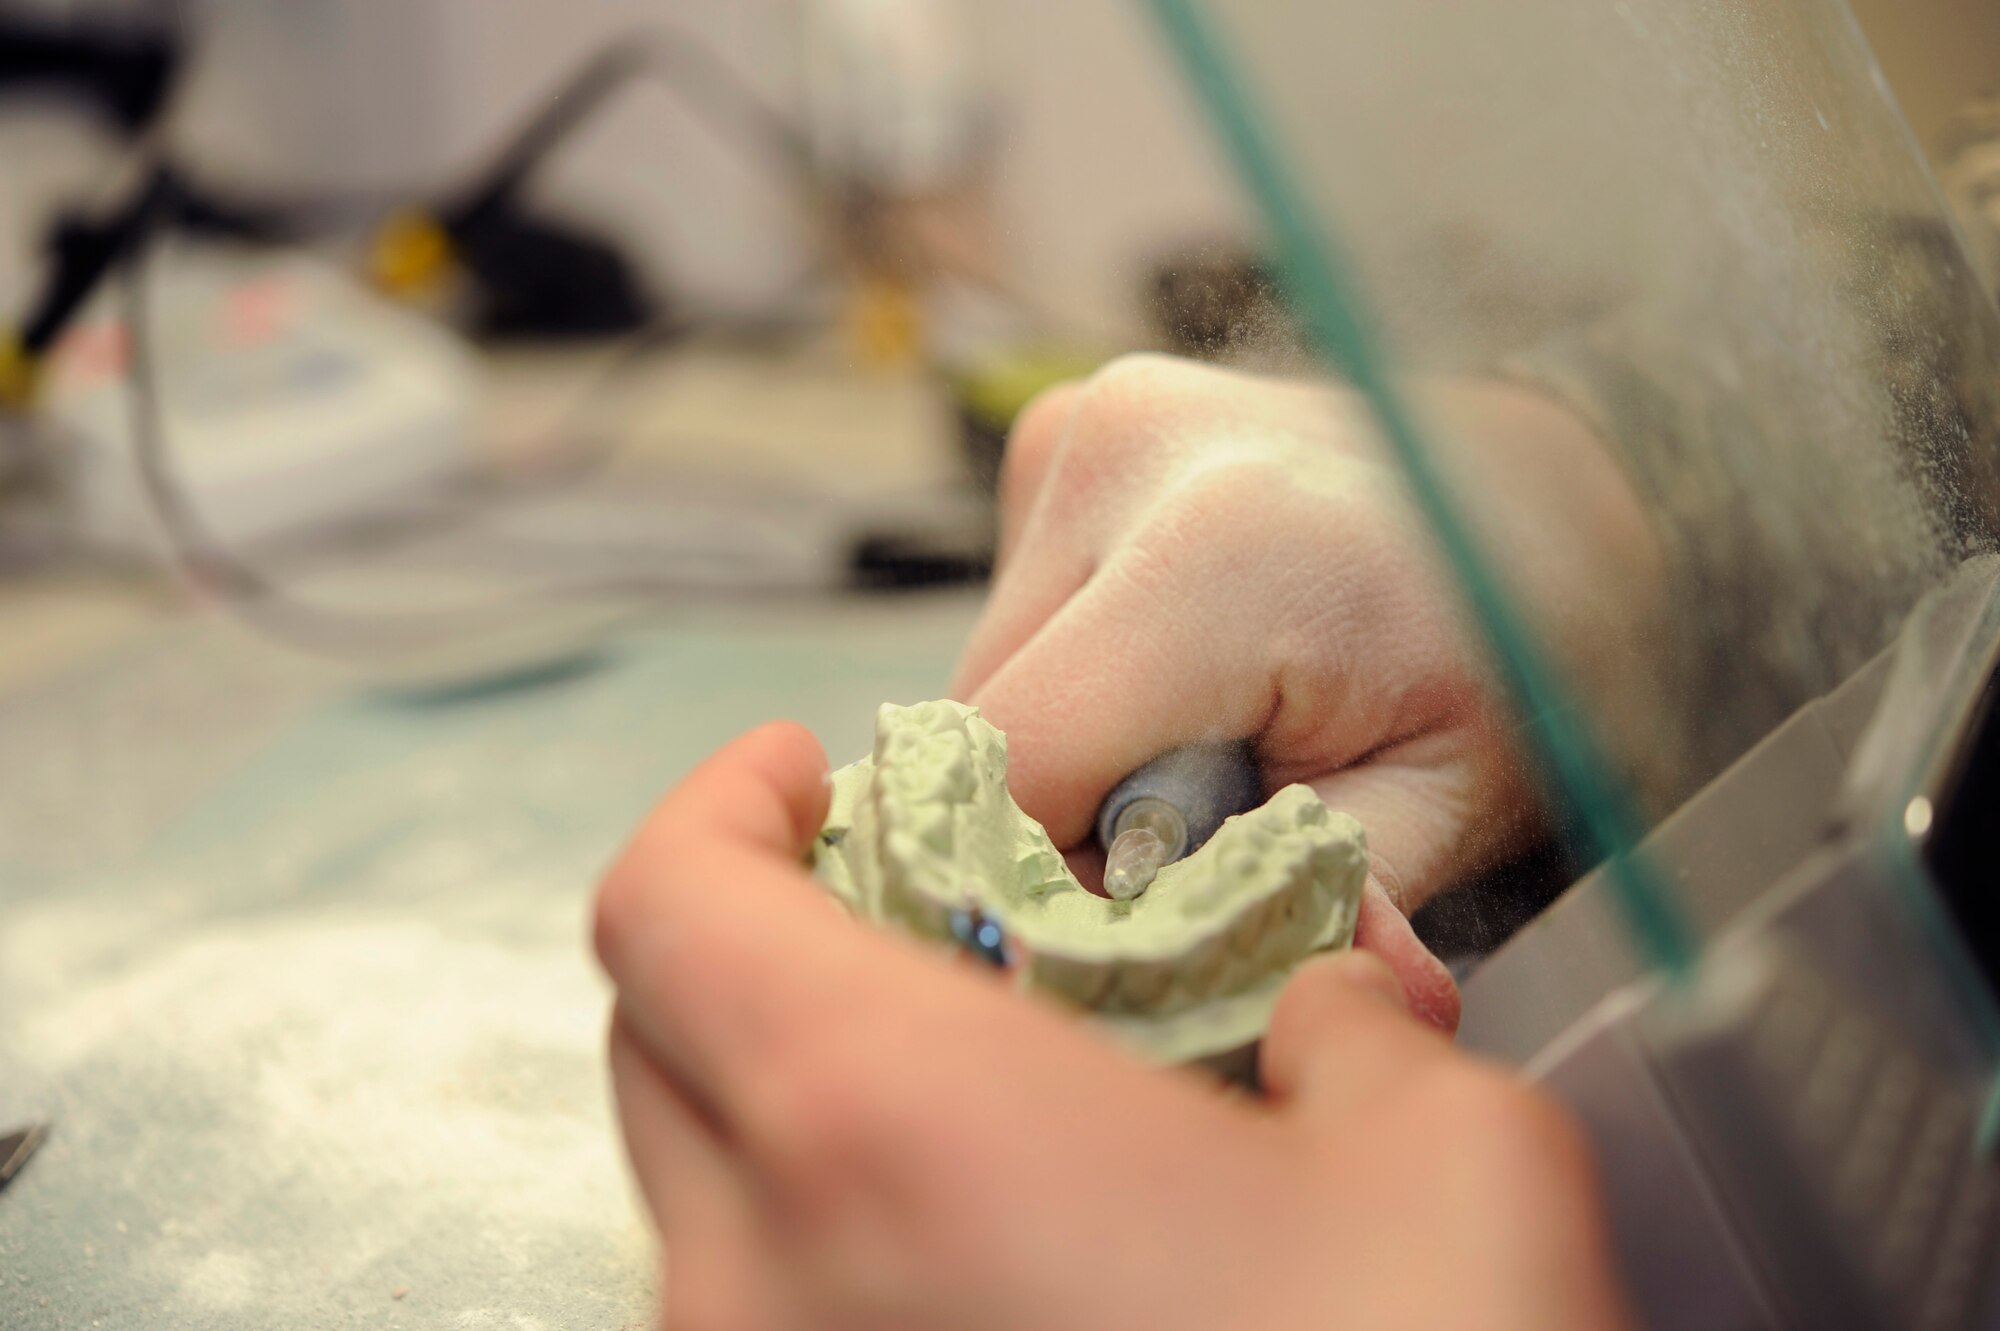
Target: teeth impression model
column 1190, row 969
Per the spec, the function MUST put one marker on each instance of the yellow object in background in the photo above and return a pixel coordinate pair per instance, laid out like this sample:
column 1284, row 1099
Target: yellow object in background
column 993, row 390
column 20, row 374
column 885, row 322
column 411, row 255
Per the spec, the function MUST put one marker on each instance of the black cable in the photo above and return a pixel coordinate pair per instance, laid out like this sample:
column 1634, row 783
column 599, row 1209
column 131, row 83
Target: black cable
column 135, row 68
column 539, row 277
column 127, row 71
column 85, row 254
column 688, row 67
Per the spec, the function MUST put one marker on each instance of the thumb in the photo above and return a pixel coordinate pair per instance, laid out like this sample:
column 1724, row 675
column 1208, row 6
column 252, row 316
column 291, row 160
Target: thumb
column 1342, row 1034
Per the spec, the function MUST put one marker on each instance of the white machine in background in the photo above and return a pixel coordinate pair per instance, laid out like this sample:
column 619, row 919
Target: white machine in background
column 328, row 468
column 289, row 399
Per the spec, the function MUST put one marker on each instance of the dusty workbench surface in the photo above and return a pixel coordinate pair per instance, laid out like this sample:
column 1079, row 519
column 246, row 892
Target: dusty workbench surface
column 297, row 970
column 296, row 966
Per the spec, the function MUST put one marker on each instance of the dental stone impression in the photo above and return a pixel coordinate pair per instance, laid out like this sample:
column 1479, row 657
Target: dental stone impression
column 1191, row 969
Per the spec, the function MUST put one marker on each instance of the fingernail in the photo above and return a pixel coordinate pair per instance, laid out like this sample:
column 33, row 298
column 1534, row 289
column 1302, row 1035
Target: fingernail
column 1440, row 998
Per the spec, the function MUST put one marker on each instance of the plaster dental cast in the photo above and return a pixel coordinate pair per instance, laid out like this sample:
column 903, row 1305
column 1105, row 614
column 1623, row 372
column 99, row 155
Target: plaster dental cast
column 923, row 830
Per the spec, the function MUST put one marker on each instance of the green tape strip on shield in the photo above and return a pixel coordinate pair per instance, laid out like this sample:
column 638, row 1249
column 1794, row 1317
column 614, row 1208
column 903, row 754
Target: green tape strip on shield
column 1329, row 300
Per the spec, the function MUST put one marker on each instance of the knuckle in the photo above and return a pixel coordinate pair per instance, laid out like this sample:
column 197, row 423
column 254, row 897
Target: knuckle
column 1395, row 882
column 1148, row 423
column 1032, row 443
column 1233, row 516
column 1239, row 484
column 1116, row 409
column 1136, row 379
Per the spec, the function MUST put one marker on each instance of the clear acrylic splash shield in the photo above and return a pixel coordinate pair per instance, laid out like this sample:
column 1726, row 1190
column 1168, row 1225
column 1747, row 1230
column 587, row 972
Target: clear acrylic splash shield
column 1703, row 227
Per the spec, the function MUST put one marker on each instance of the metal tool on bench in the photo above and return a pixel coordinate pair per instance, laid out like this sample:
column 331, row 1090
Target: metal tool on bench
column 16, row 1147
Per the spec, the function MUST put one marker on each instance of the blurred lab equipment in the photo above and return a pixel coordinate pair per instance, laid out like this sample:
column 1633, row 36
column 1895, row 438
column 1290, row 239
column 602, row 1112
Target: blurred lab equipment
column 537, row 277
column 295, row 398
column 373, row 408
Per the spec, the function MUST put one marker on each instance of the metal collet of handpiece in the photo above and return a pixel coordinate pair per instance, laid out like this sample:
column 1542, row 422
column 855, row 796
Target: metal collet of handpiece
column 1167, row 809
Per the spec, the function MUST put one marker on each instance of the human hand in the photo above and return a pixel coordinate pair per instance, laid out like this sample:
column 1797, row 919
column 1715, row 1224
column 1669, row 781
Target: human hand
column 835, row 1127
column 1190, row 553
